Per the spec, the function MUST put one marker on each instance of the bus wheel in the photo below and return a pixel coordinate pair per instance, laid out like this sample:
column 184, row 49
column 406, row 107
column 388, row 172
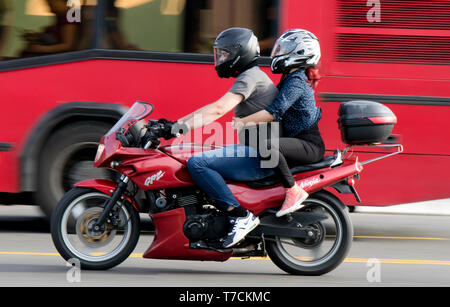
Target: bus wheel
column 67, row 158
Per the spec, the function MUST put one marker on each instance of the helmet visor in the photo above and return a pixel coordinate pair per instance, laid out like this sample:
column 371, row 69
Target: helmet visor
column 283, row 46
column 221, row 56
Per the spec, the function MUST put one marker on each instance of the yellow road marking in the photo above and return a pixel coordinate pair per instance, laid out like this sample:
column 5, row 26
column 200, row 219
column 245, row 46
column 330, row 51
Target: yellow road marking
column 401, row 238
column 347, row 260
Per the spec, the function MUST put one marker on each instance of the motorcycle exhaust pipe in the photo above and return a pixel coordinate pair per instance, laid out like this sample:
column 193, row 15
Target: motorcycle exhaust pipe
column 243, row 250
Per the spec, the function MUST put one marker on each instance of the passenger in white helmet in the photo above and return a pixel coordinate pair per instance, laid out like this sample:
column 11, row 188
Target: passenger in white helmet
column 296, row 55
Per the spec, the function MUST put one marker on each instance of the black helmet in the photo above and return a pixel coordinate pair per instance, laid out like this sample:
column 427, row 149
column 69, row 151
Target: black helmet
column 235, row 49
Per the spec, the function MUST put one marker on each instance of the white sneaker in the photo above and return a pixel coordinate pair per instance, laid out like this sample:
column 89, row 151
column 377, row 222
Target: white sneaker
column 241, row 227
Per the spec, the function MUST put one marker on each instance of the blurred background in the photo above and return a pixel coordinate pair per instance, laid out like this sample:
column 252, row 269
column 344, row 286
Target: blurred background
column 82, row 63
column 69, row 69
column 151, row 25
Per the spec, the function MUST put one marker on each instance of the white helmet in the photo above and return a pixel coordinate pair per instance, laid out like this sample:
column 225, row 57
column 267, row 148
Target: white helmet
column 295, row 48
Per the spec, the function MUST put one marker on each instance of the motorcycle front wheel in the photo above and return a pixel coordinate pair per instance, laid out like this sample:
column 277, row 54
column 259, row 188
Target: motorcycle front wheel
column 75, row 237
column 324, row 252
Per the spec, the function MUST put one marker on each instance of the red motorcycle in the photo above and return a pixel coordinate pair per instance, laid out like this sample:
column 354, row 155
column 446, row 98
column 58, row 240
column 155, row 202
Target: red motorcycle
column 98, row 220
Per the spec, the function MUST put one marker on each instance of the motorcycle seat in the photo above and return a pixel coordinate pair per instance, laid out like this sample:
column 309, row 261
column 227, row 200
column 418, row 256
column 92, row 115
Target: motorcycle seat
column 327, row 161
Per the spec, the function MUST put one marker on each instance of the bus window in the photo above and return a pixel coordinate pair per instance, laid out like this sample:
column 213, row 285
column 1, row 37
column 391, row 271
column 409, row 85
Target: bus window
column 185, row 25
column 40, row 27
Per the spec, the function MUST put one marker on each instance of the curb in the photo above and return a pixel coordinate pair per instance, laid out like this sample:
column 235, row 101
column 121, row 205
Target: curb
column 432, row 207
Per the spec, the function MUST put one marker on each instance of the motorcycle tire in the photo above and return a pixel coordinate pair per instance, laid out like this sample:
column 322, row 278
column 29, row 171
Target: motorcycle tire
column 64, row 227
column 336, row 256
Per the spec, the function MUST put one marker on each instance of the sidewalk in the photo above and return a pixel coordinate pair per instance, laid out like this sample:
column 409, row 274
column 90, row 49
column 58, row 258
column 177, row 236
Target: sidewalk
column 433, row 207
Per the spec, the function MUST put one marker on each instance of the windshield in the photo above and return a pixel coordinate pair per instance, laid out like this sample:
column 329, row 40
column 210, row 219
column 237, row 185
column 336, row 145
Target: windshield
column 138, row 111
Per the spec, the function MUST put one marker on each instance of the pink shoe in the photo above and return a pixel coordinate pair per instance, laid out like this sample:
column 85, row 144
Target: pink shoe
column 293, row 201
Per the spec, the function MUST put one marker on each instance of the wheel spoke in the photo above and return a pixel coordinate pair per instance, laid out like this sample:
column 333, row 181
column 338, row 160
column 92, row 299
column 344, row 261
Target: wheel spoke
column 86, row 242
column 314, row 252
column 78, row 209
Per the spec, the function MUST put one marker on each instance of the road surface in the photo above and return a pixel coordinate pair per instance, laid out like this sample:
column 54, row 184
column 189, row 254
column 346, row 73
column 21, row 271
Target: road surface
column 388, row 250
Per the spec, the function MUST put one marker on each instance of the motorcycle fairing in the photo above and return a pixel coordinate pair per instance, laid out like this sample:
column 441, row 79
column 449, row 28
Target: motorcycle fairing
column 171, row 243
column 259, row 200
column 104, row 186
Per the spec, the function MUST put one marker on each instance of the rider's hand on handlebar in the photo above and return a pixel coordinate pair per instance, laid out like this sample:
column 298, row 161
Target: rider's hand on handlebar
column 172, row 129
column 179, row 129
column 164, row 121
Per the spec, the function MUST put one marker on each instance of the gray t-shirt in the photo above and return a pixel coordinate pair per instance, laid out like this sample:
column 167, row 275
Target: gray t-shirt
column 258, row 91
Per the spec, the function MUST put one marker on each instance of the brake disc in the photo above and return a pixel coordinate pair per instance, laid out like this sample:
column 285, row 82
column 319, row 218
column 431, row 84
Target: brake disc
column 87, row 234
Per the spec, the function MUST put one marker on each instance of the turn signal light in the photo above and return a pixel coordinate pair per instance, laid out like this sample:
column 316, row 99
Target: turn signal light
column 100, row 150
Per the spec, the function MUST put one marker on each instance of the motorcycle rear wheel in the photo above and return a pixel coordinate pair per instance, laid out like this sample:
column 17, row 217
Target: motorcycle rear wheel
column 306, row 257
column 74, row 236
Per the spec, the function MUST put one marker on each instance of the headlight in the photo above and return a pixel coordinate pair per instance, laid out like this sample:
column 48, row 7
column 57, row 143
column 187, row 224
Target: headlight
column 100, row 150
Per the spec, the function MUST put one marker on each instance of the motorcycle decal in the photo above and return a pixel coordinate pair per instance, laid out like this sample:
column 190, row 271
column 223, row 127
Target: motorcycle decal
column 155, row 177
column 309, row 183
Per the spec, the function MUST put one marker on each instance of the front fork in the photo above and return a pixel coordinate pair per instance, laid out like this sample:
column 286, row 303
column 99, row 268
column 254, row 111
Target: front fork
column 116, row 195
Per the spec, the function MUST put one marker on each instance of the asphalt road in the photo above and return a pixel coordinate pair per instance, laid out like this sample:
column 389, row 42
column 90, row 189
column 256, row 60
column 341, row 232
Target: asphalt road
column 388, row 250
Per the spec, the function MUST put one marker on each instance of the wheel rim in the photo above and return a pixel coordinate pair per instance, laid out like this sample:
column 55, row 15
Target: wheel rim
column 78, row 234
column 314, row 253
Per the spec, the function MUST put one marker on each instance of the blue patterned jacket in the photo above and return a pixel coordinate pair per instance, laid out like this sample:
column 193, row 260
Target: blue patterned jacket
column 295, row 107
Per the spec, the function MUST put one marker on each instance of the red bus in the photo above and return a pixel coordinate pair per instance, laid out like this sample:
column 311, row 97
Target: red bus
column 69, row 69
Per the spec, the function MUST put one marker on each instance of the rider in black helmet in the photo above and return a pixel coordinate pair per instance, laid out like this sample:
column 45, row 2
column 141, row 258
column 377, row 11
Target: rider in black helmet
column 236, row 51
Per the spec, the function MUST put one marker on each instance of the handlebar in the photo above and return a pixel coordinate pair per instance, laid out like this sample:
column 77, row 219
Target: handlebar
column 162, row 128
column 155, row 129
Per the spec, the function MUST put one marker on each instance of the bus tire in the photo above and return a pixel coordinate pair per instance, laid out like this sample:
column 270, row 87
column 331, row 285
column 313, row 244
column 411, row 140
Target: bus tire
column 66, row 158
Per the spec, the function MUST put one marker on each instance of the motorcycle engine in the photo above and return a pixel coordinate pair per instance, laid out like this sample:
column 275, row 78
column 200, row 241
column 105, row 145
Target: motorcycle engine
column 206, row 227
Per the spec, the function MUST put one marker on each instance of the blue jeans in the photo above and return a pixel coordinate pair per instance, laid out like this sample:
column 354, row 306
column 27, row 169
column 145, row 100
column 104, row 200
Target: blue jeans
column 210, row 169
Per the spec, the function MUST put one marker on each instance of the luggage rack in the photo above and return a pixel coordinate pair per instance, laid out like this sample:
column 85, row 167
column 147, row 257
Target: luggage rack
column 380, row 145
